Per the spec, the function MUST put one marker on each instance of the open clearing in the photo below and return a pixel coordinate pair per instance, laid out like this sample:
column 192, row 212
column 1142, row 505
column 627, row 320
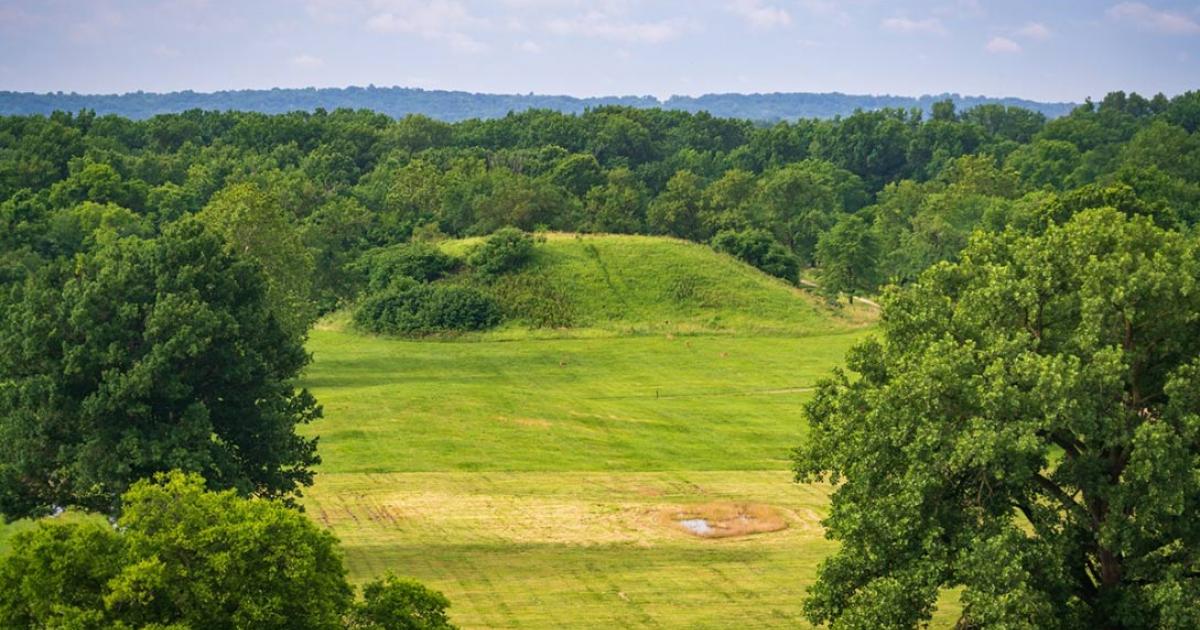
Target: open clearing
column 528, row 480
column 618, row 404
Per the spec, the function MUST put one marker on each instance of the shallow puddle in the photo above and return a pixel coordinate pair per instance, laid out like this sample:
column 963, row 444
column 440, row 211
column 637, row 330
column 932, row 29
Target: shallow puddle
column 697, row 526
column 723, row 519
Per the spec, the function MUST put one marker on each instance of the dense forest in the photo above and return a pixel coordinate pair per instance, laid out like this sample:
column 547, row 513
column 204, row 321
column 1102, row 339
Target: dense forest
column 454, row 106
column 871, row 198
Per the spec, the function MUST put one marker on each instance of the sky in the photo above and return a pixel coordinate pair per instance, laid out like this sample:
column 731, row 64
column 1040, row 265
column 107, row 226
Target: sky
column 1060, row 50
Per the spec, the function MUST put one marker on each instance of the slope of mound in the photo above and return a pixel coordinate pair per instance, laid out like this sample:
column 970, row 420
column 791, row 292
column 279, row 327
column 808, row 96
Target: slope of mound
column 641, row 284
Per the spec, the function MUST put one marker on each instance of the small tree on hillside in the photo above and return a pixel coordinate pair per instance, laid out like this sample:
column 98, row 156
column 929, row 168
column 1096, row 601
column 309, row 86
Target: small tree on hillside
column 1027, row 429
column 846, row 255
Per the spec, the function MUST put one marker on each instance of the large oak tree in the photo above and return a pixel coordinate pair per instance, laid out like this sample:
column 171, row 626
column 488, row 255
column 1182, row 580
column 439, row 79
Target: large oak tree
column 1027, row 428
column 141, row 356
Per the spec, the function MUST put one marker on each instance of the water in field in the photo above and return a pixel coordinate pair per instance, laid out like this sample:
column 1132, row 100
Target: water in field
column 698, row 526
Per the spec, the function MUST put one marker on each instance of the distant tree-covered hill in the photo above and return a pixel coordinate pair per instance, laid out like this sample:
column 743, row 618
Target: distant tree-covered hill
column 456, row 106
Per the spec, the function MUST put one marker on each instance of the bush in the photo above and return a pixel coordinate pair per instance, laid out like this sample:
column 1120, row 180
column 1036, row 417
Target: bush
column 180, row 557
column 393, row 603
column 506, row 250
column 183, row 557
column 408, row 308
column 760, row 249
column 419, row 261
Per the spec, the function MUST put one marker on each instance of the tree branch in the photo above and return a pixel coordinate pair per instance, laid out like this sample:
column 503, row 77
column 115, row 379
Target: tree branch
column 1067, row 502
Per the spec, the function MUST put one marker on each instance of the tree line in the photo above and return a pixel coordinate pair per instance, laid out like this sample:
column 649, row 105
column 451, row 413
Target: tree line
column 453, row 106
column 891, row 191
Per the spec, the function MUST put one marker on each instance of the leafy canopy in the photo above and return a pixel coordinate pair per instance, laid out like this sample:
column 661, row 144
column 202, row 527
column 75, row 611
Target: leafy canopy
column 1028, row 429
column 184, row 558
column 145, row 356
column 505, row 251
column 254, row 225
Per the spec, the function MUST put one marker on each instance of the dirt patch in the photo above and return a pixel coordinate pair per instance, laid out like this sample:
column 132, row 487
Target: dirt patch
column 724, row 520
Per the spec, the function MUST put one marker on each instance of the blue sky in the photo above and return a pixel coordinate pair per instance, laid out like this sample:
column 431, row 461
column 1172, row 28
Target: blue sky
column 1047, row 50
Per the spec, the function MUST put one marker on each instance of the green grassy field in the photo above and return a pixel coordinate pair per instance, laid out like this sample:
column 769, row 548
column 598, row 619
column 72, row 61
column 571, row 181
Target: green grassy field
column 616, row 404
column 537, row 477
column 533, row 481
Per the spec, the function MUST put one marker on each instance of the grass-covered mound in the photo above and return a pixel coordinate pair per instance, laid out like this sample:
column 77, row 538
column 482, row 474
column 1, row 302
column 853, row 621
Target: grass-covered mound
column 640, row 284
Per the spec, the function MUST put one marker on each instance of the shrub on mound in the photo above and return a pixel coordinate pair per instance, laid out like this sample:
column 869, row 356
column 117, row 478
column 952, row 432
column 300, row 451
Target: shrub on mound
column 507, row 249
column 419, row 261
column 759, row 249
column 408, row 308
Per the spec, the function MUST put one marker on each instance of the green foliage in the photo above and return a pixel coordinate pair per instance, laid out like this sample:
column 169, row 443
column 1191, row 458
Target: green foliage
column 534, row 300
column 505, row 251
column 618, row 205
column 99, row 183
column 82, row 227
column 802, row 200
column 55, row 576
column 254, row 226
column 578, row 174
column 181, row 557
column 391, row 603
column 847, row 256
column 520, row 202
column 336, row 234
column 144, row 356
column 1026, row 430
column 1045, row 163
column 676, row 212
column 417, row 261
column 305, row 193
column 408, row 308
column 760, row 249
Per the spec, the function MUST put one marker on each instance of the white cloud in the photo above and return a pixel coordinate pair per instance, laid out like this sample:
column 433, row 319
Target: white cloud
column 1147, row 17
column 307, row 62
column 760, row 15
column 600, row 25
column 1035, row 30
column 906, row 25
column 1002, row 45
column 529, row 46
column 436, row 20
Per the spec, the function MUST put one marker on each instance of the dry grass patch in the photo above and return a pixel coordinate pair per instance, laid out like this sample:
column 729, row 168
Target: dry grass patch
column 537, row 423
column 725, row 520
